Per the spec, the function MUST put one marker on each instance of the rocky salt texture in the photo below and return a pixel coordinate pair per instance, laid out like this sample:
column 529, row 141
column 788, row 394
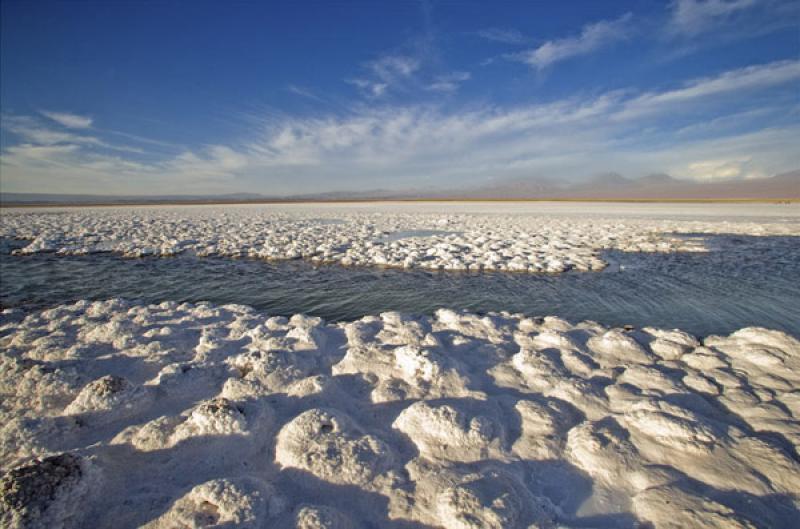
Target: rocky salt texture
column 529, row 240
column 165, row 416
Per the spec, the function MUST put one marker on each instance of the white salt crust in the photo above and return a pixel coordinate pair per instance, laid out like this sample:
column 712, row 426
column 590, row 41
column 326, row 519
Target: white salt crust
column 193, row 415
column 515, row 237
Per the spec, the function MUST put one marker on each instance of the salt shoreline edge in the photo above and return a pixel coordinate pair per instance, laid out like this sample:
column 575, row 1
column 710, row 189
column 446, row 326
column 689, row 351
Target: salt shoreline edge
column 197, row 414
column 528, row 242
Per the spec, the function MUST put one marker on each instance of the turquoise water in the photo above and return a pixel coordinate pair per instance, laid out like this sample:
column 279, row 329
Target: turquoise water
column 742, row 281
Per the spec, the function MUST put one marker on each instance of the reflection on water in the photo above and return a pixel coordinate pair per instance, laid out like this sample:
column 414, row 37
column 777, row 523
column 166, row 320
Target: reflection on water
column 742, row 281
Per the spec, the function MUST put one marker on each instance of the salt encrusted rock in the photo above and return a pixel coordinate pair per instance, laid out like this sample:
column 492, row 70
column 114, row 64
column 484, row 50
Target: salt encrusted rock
column 701, row 447
column 114, row 395
column 700, row 384
column 487, row 502
column 273, row 368
column 673, row 425
column 602, row 450
column 322, row 517
column 23, row 438
column 244, row 502
column 670, row 345
column 615, row 348
column 36, row 387
column 329, row 445
column 543, row 429
column 407, row 372
column 445, row 433
column 47, row 494
column 491, row 498
column 651, row 379
column 670, row 507
column 215, row 418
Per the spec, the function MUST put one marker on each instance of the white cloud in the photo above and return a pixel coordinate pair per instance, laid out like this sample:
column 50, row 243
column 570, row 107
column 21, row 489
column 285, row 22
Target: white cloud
column 31, row 130
column 592, row 37
column 733, row 81
column 506, row 36
column 389, row 71
column 712, row 170
column 372, row 146
column 304, row 92
column 393, row 67
column 371, row 88
column 27, row 151
column 691, row 17
column 71, row 121
column 450, row 82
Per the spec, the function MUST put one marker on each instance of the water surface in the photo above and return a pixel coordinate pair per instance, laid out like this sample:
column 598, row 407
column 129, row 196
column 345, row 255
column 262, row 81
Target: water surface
column 742, row 281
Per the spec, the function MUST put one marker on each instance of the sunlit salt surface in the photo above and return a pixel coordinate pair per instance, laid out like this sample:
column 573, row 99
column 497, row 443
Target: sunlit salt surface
column 166, row 416
column 741, row 281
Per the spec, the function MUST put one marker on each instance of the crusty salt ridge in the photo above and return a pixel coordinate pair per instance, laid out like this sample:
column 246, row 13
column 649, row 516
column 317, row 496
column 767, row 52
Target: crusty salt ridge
column 196, row 415
column 546, row 238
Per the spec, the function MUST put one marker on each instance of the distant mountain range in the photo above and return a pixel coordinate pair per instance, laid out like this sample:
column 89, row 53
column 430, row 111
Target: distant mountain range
column 652, row 187
column 610, row 186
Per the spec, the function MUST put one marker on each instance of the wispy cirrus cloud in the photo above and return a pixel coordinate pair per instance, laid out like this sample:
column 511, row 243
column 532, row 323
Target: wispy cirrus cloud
column 386, row 146
column 592, row 37
column 742, row 79
column 32, row 130
column 691, row 17
column 386, row 72
column 450, row 82
column 65, row 119
column 304, row 92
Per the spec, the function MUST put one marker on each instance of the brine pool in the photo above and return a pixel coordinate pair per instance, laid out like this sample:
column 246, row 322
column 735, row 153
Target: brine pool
column 742, row 281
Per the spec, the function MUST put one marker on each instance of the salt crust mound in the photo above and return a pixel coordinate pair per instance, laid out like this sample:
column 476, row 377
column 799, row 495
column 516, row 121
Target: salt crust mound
column 241, row 502
column 193, row 415
column 320, row 517
column 458, row 498
column 533, row 241
column 446, row 433
column 331, row 447
column 47, row 493
column 218, row 417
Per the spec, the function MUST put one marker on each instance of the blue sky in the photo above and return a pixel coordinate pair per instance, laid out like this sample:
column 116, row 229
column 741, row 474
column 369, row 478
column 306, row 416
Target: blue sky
column 279, row 98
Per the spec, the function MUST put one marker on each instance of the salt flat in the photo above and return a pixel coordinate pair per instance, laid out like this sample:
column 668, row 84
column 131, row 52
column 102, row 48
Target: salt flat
column 196, row 415
column 520, row 237
column 203, row 416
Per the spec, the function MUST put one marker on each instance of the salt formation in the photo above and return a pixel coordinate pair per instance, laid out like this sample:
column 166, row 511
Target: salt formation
column 110, row 393
column 403, row 358
column 46, row 494
column 456, row 420
column 459, row 499
column 243, row 502
column 535, row 242
column 445, row 433
column 211, row 418
column 318, row 517
column 331, row 447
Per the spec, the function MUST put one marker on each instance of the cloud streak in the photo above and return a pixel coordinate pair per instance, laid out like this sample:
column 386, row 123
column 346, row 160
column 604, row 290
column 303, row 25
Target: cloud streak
column 593, row 37
column 692, row 17
column 403, row 147
column 504, row 36
column 450, row 82
column 385, row 73
column 71, row 121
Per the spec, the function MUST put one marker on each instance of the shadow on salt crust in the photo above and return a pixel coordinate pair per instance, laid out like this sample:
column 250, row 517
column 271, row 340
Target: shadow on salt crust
column 455, row 421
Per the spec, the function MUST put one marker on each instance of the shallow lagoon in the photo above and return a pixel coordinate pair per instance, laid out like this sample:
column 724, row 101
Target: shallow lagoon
column 741, row 281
